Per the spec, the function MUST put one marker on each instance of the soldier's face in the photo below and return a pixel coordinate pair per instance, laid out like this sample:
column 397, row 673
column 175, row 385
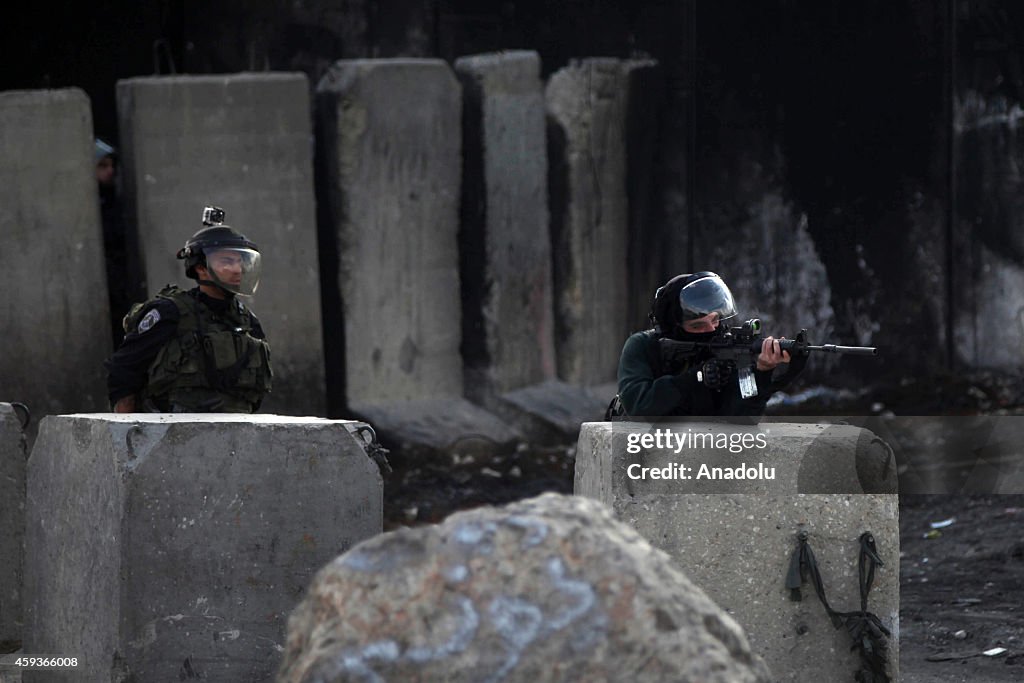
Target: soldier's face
column 227, row 266
column 708, row 323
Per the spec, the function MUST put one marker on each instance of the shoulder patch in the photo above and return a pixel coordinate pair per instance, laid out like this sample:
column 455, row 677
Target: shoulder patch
column 148, row 320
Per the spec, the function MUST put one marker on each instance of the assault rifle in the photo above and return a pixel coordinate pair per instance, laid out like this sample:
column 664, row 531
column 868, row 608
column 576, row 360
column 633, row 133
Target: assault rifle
column 741, row 345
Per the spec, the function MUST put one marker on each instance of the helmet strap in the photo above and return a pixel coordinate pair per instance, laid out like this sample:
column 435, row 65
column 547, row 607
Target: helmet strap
column 211, row 283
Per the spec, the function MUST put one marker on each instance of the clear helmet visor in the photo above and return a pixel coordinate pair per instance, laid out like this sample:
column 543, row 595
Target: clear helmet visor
column 706, row 296
column 234, row 268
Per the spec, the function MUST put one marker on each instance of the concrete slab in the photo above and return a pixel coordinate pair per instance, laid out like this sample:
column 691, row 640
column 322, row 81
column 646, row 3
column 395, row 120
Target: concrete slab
column 52, row 269
column 390, row 140
column 436, row 426
column 550, row 412
column 390, row 131
column 587, row 112
column 241, row 142
column 505, row 251
column 505, row 246
column 161, row 546
column 13, row 457
column 734, row 537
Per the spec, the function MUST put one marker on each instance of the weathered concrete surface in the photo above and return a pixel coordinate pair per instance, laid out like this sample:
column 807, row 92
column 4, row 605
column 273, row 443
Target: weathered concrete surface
column 391, row 133
column 432, row 426
column 56, row 329
column 242, row 142
column 737, row 548
column 550, row 412
column 161, row 546
column 988, row 248
column 735, row 537
column 390, row 146
column 505, row 251
column 549, row 589
column 770, row 263
column 587, row 108
column 508, row 326
column 12, row 525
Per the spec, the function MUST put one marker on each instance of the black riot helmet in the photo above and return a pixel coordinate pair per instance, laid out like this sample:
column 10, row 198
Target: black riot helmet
column 231, row 259
column 688, row 297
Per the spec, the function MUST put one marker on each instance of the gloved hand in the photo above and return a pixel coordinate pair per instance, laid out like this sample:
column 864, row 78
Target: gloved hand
column 715, row 373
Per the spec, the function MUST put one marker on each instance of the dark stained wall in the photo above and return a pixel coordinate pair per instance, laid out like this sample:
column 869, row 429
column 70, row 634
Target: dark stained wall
column 787, row 131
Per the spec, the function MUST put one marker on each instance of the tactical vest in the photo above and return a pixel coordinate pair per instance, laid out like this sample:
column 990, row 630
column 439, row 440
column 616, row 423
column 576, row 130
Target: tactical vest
column 214, row 364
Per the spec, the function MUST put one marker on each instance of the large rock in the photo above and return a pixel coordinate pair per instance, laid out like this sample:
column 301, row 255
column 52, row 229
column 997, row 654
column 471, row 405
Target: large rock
column 12, row 525
column 549, row 589
column 160, row 546
column 505, row 251
column 734, row 537
column 390, row 156
column 242, row 142
column 56, row 329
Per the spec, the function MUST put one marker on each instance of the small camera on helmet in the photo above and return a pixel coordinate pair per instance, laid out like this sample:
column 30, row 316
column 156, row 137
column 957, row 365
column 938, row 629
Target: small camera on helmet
column 213, row 215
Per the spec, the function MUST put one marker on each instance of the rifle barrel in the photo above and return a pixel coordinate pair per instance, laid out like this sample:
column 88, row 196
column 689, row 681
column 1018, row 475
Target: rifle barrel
column 851, row 350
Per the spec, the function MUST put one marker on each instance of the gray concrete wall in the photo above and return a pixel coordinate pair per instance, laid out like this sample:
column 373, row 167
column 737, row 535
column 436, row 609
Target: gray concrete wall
column 988, row 240
column 773, row 269
column 391, row 139
column 505, row 246
column 13, row 458
column 166, row 546
column 242, row 142
column 735, row 538
column 587, row 108
column 56, row 329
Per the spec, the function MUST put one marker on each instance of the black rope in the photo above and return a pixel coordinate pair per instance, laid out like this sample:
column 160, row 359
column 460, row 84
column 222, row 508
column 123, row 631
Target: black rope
column 869, row 634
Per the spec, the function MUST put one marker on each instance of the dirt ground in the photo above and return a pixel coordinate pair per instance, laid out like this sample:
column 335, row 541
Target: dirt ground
column 961, row 588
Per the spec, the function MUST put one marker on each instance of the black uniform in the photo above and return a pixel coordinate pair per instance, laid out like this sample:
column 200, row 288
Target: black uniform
column 645, row 389
column 128, row 369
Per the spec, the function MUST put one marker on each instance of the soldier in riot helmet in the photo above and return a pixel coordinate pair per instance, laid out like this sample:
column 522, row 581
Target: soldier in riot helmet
column 197, row 350
column 691, row 307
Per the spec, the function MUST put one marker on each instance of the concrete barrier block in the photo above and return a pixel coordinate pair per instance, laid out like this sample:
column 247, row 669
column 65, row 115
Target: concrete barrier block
column 390, row 146
column 390, row 133
column 505, row 251
column 737, row 548
column 433, row 426
column 587, row 111
column 242, row 142
column 56, row 329
column 735, row 536
column 505, row 246
column 12, row 526
column 161, row 546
